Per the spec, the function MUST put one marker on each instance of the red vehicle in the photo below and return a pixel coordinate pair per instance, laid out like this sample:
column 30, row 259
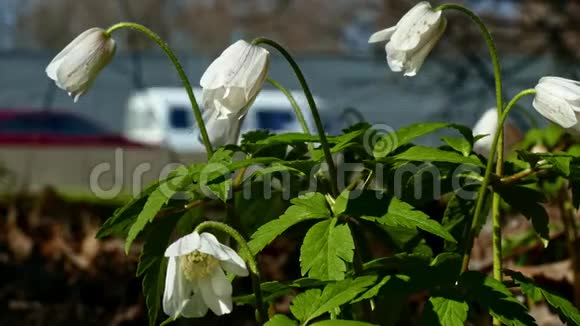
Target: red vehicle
column 55, row 128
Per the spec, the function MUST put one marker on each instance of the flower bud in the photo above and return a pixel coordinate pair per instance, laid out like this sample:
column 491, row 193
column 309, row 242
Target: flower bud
column 75, row 68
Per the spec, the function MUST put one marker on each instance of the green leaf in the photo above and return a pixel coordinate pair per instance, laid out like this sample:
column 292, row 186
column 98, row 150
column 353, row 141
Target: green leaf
column 325, row 250
column 159, row 197
column 125, row 216
column 340, row 322
column 394, row 285
column 304, row 304
column 254, row 136
column 306, row 207
column 407, row 134
column 152, row 264
column 495, row 297
column 218, row 167
column 314, row 303
column 401, row 214
column 430, row 154
column 289, row 139
column 461, row 145
column 280, row 320
column 567, row 311
column 448, row 311
column 525, row 200
column 457, row 214
column 560, row 164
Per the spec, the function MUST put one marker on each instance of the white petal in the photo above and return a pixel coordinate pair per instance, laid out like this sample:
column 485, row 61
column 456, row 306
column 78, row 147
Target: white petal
column 396, row 59
column 487, row 124
column 210, row 245
column 220, row 283
column 195, row 306
column 234, row 264
column 55, row 63
column 554, row 108
column 561, row 87
column 177, row 290
column 184, row 245
column 416, row 60
column 228, row 257
column 240, row 65
column 383, row 35
column 220, row 305
column 412, row 27
column 222, row 130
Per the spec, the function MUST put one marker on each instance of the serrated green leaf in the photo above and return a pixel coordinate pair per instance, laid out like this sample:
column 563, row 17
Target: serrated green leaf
column 457, row 214
column 461, row 145
column 218, row 168
column 314, row 303
column 407, row 134
column 159, row 197
column 152, row 264
column 401, row 214
column 560, row 164
column 394, row 285
column 122, row 218
column 430, row 154
column 525, row 200
column 306, row 207
column 304, row 304
column 280, row 320
column 449, row 311
column 254, row 136
column 341, row 322
column 270, row 292
column 326, row 250
column 494, row 296
column 289, row 139
column 565, row 308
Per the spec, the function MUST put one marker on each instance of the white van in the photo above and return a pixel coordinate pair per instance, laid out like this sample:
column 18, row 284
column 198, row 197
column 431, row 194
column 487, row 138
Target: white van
column 163, row 116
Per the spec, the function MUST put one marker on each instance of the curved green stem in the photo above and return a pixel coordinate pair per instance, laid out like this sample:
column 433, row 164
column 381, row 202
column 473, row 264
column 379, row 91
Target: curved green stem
column 487, row 175
column 293, row 103
column 263, row 316
column 496, row 147
column 180, row 71
column 296, row 108
column 313, row 108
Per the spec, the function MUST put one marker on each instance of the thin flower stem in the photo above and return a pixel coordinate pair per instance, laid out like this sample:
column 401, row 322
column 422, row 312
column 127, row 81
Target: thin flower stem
column 296, row 108
column 180, row 71
column 487, row 176
column 498, row 141
column 250, row 260
column 313, row 108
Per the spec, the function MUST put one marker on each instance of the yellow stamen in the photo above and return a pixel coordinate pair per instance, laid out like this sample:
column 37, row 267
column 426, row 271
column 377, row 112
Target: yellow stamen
column 197, row 265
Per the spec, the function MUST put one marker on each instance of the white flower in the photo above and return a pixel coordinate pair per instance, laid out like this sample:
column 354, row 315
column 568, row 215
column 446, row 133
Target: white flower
column 195, row 278
column 230, row 85
column 411, row 40
column 558, row 100
column 75, row 68
column 487, row 125
column 221, row 130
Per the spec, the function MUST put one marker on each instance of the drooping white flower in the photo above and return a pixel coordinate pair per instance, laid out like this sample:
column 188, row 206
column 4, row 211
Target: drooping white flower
column 230, row 85
column 558, row 100
column 195, row 279
column 488, row 125
column 412, row 39
column 221, row 130
column 75, row 68
column 235, row 78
